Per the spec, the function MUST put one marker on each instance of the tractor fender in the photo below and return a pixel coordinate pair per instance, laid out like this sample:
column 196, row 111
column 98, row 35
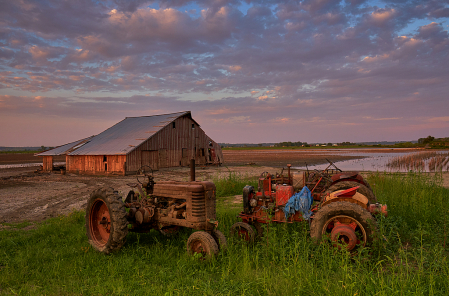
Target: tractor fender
column 348, row 176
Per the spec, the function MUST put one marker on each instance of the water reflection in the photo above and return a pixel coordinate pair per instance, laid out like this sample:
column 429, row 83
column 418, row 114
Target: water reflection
column 26, row 165
column 375, row 161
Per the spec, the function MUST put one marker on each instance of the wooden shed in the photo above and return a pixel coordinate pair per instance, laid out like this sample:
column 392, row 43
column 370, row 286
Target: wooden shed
column 160, row 141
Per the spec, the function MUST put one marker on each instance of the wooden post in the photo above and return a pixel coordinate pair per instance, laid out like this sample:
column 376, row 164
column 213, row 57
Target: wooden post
column 192, row 170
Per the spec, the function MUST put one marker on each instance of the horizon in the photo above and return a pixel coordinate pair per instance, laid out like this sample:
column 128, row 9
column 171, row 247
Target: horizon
column 250, row 72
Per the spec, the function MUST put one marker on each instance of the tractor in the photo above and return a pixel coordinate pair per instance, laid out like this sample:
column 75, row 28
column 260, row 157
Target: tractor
column 165, row 206
column 331, row 179
column 345, row 216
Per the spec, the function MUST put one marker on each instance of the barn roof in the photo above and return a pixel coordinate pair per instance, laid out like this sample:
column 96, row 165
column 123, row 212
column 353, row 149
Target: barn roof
column 125, row 136
column 64, row 149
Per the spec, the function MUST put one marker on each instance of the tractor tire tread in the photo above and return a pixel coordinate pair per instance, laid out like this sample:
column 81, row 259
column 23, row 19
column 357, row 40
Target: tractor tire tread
column 342, row 208
column 117, row 212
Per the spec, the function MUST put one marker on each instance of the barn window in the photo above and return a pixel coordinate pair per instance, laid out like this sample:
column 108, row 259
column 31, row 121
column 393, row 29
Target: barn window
column 193, row 126
column 174, row 124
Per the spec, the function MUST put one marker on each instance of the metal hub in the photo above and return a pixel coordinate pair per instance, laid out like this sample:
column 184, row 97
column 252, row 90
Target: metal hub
column 100, row 222
column 345, row 234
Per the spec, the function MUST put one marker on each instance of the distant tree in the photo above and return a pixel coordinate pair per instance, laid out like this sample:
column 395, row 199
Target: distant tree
column 329, row 144
column 427, row 140
column 42, row 148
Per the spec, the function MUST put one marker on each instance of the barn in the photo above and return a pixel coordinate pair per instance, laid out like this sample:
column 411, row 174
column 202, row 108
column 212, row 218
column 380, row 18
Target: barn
column 160, row 141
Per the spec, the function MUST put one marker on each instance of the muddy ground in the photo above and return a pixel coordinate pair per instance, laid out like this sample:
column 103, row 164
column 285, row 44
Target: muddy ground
column 29, row 195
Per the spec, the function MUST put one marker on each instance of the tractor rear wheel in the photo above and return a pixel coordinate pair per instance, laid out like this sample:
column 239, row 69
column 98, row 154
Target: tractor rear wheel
column 346, row 224
column 201, row 242
column 244, row 231
column 350, row 184
column 106, row 224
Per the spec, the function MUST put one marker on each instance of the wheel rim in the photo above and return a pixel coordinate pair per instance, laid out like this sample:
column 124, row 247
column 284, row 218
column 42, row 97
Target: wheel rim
column 346, row 231
column 243, row 233
column 197, row 246
column 100, row 222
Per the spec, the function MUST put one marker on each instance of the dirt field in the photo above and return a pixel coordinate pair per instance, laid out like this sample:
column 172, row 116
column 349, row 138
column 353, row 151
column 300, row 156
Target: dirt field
column 27, row 195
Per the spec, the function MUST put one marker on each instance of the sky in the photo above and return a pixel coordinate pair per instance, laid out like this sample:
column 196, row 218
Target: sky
column 249, row 71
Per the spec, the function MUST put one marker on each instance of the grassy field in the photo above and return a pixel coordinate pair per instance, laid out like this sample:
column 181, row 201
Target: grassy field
column 409, row 258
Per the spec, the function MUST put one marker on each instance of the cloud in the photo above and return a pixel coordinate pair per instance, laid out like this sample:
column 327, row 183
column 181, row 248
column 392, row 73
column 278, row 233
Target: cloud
column 330, row 63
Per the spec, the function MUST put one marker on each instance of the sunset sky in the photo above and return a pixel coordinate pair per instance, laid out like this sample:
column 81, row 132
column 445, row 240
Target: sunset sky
column 250, row 71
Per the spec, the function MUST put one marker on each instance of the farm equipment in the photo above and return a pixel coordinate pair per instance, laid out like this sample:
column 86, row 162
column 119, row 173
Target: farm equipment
column 344, row 215
column 165, row 206
column 331, row 179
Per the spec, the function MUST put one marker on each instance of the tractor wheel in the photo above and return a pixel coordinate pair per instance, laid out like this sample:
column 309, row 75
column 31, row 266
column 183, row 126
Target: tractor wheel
column 106, row 224
column 345, row 223
column 170, row 231
column 259, row 229
column 243, row 230
column 220, row 239
column 202, row 243
column 350, row 184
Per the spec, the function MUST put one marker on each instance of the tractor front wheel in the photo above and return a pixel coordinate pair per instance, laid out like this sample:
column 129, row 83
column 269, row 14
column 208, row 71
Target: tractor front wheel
column 220, row 239
column 346, row 224
column 106, row 224
column 203, row 243
column 244, row 231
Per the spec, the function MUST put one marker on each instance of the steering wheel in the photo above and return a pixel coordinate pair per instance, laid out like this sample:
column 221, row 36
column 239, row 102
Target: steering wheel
column 264, row 175
column 145, row 171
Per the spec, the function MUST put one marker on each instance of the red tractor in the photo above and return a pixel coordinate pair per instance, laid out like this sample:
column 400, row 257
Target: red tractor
column 343, row 214
column 163, row 206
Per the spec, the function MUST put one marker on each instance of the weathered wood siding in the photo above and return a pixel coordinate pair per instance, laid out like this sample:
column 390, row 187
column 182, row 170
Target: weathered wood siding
column 47, row 163
column 96, row 164
column 174, row 146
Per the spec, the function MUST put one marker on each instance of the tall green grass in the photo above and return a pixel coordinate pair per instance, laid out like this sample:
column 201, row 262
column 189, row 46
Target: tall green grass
column 410, row 257
column 232, row 184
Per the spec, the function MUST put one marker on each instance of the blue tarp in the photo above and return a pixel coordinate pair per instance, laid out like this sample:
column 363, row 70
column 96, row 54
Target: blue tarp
column 301, row 201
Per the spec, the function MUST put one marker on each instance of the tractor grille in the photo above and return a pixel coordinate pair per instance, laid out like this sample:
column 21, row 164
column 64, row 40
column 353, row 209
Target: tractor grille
column 198, row 207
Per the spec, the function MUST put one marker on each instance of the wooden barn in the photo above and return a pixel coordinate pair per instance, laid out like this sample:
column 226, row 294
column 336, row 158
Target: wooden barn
column 160, row 141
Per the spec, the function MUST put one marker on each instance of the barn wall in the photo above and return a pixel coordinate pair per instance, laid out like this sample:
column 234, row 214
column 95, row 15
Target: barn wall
column 47, row 163
column 174, row 147
column 96, row 164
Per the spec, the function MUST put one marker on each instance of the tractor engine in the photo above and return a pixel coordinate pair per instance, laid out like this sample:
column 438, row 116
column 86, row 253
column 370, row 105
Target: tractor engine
column 172, row 203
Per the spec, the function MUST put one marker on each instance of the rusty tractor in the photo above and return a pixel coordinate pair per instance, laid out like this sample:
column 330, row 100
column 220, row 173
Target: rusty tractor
column 322, row 183
column 344, row 216
column 165, row 206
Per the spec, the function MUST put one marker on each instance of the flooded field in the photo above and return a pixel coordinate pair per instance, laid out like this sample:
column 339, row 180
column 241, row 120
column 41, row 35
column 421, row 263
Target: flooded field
column 390, row 160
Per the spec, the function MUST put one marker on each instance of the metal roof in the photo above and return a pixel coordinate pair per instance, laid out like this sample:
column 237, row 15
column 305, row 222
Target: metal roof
column 64, row 149
column 126, row 135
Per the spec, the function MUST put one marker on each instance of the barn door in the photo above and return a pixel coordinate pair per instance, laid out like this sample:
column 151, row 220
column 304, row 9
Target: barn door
column 163, row 158
column 185, row 157
column 150, row 158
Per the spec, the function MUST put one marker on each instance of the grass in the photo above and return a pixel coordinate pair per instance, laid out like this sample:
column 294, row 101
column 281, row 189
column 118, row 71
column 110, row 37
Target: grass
column 410, row 258
column 419, row 161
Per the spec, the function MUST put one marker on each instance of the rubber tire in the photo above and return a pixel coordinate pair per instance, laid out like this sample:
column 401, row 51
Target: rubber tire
column 342, row 208
column 220, row 238
column 245, row 226
column 118, row 222
column 259, row 229
column 207, row 243
column 350, row 184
